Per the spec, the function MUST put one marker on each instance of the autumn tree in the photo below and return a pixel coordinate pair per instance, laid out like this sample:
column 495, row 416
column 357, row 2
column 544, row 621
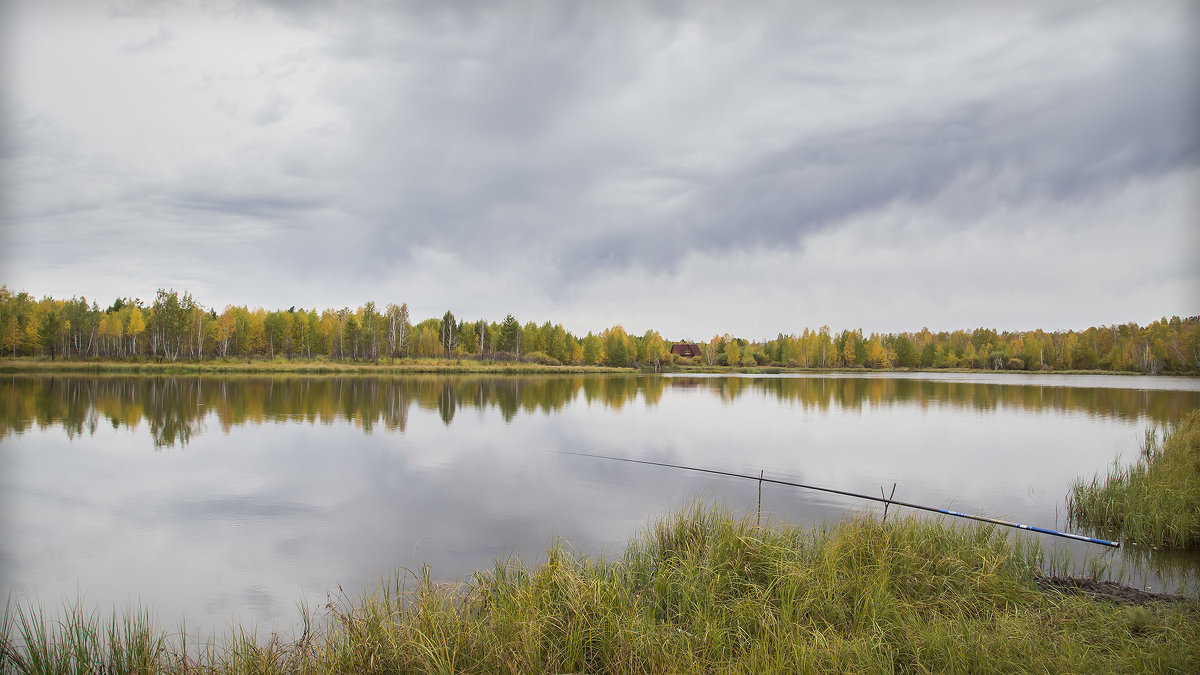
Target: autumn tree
column 318, row 338
column 655, row 348
column 398, row 329
column 822, row 347
column 556, row 341
column 198, row 328
column 481, row 335
column 616, row 347
column 169, row 317
column 876, row 352
column 12, row 308
column 906, row 351
column 733, row 353
column 371, row 323
column 331, row 328
column 467, row 340
column 531, row 339
column 301, row 337
column 135, row 327
column 277, row 328
column 223, row 329
column 80, row 327
column 851, row 340
column 255, row 332
column 710, row 349
column 592, row 349
column 928, row 355
column 427, row 337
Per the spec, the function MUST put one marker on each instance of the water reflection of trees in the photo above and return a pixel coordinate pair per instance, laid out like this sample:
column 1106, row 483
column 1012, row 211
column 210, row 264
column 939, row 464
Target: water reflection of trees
column 174, row 408
column 858, row 393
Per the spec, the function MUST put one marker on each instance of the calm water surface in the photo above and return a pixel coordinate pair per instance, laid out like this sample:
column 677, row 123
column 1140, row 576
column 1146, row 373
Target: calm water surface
column 229, row 499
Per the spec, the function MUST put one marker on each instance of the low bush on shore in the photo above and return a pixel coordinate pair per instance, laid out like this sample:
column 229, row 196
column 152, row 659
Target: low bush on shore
column 1156, row 501
column 700, row 591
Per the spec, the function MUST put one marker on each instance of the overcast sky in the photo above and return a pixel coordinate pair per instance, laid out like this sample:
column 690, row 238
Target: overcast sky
column 694, row 167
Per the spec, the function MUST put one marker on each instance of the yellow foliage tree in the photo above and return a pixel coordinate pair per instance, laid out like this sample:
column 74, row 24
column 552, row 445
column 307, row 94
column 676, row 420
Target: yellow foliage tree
column 256, row 331
column 850, row 350
column 877, row 354
column 135, row 327
column 223, row 328
column 733, row 353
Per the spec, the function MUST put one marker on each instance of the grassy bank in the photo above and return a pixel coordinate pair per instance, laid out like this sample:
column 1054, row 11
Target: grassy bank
column 699, row 592
column 1157, row 500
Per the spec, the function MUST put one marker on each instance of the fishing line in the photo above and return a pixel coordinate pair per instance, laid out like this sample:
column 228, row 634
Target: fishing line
column 858, row 495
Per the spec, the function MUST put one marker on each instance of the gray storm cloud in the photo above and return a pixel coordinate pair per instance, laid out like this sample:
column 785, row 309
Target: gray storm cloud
column 526, row 157
column 523, row 128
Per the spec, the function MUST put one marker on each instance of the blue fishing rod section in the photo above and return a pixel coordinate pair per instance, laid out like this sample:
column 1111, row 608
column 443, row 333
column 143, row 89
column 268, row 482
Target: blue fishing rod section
column 845, row 493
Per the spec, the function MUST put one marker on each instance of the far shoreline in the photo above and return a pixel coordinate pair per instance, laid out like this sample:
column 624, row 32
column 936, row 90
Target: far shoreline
column 425, row 365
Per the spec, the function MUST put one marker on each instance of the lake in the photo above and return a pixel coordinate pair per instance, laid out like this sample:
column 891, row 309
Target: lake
column 217, row 499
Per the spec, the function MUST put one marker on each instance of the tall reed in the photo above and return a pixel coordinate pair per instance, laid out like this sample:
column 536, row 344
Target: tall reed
column 1156, row 501
column 700, row 591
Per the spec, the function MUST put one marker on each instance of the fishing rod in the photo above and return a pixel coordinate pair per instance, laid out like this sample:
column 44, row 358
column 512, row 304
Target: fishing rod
column 884, row 500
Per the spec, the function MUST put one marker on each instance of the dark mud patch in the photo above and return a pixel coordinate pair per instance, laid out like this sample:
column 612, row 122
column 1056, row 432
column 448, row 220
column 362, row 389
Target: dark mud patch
column 1105, row 590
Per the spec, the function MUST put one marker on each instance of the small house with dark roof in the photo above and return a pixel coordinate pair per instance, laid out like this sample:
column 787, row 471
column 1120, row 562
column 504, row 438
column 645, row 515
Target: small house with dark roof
column 685, row 349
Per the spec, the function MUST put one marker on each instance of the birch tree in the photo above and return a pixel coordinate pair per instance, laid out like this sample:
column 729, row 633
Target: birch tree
column 399, row 328
column 135, row 327
column 449, row 333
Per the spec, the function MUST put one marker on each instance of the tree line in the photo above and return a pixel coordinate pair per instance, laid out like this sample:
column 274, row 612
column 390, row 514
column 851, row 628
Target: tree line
column 175, row 326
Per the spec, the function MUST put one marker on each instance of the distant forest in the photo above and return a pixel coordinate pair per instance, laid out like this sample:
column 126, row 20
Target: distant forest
column 175, row 326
